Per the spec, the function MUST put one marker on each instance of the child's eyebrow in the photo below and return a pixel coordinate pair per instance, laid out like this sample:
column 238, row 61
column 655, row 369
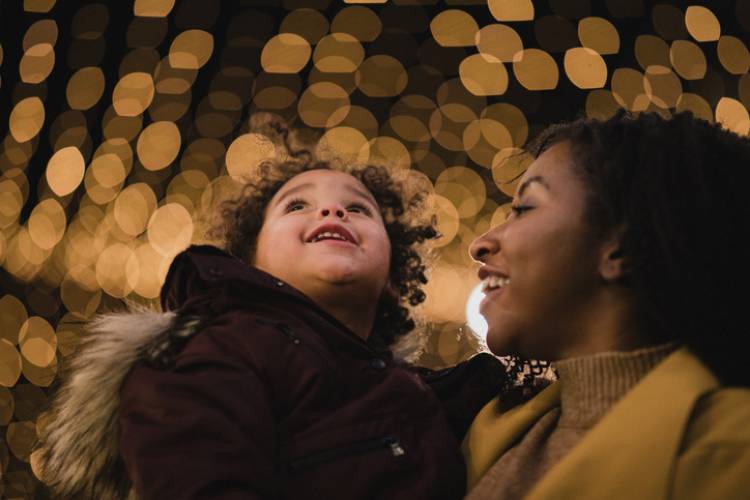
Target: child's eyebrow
column 352, row 189
column 291, row 191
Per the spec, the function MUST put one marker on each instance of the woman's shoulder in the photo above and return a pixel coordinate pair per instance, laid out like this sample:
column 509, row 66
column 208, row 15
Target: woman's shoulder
column 720, row 418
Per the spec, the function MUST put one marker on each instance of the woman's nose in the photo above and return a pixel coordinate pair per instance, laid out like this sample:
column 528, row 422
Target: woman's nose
column 334, row 210
column 484, row 246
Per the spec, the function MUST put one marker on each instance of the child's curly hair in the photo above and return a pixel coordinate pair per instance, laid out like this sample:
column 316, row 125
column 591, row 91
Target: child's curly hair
column 241, row 220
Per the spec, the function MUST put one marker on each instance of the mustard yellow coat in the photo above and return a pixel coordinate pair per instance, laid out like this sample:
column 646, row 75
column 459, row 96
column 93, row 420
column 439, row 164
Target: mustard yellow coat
column 677, row 434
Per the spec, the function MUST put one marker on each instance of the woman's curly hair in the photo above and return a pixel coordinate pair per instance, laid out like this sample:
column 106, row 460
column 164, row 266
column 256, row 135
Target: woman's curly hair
column 241, row 220
column 677, row 189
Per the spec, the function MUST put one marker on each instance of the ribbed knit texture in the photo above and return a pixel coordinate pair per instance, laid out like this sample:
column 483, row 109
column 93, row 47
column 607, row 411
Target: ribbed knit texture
column 589, row 385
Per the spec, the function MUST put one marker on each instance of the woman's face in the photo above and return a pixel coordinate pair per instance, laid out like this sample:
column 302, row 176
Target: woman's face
column 540, row 267
column 323, row 231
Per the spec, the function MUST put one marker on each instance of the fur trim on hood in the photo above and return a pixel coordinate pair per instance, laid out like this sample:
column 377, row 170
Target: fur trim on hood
column 79, row 455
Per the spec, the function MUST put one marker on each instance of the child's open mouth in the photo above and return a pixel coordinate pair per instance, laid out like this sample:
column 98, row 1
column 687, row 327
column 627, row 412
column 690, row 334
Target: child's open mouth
column 331, row 233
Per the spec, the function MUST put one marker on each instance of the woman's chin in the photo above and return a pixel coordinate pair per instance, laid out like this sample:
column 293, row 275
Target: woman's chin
column 500, row 341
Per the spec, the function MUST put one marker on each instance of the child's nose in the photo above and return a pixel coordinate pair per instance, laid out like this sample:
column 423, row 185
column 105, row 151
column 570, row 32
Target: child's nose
column 334, row 210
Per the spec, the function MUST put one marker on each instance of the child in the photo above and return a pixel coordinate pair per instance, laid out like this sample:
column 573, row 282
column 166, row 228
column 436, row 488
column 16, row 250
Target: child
column 271, row 374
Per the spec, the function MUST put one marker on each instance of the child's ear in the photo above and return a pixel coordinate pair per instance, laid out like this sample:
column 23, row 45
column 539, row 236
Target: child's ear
column 612, row 260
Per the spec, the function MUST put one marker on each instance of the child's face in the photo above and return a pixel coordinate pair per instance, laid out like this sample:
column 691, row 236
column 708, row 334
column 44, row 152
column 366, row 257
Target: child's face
column 322, row 232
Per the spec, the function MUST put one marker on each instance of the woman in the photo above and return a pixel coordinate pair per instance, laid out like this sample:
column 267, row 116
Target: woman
column 623, row 263
column 272, row 375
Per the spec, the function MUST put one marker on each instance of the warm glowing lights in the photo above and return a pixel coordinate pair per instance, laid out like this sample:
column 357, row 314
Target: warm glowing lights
column 385, row 151
column 447, row 124
column 37, row 341
column 598, row 34
column 512, row 119
column 702, row 24
column 133, row 208
column 12, row 316
column 85, row 88
column 511, row 10
column 454, row 28
column 651, row 50
column 696, row 105
column 308, row 24
column 247, row 152
column 158, row 145
column 11, row 202
column 170, row 229
column 601, row 104
column 37, row 63
column 499, row 41
column 117, row 270
column 627, row 85
column 153, row 8
column 732, row 115
column 104, row 178
column 80, row 292
column 171, row 80
column 323, row 104
column 536, row 70
column 285, row 53
column 662, row 86
column 153, row 268
column 191, row 49
column 343, row 143
column 39, row 6
column 381, row 76
column 338, row 53
column 47, row 224
column 133, row 94
column 687, row 59
column 464, row 188
column 26, row 119
column 360, row 22
column 733, row 55
column 10, row 364
column 483, row 75
column 482, row 138
column 65, row 171
column 585, row 68
column 42, row 32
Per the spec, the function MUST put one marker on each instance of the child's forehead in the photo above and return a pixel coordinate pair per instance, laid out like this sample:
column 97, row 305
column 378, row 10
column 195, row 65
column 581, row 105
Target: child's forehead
column 325, row 179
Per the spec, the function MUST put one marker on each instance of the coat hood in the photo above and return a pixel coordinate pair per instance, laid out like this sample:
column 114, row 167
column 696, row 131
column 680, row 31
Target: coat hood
column 79, row 450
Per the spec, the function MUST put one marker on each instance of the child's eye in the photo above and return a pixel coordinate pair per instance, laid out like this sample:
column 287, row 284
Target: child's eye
column 295, row 204
column 358, row 208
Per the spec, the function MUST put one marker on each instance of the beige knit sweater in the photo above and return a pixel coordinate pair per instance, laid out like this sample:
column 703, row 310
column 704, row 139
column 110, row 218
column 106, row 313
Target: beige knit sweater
column 589, row 386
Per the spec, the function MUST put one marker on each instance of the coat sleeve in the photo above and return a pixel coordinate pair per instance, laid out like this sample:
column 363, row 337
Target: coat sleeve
column 464, row 389
column 204, row 429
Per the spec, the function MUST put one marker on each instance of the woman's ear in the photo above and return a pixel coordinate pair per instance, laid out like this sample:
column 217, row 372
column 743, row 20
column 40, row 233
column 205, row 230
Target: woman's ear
column 612, row 259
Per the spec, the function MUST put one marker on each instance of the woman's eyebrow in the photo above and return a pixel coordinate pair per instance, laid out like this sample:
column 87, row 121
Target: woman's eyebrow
column 537, row 178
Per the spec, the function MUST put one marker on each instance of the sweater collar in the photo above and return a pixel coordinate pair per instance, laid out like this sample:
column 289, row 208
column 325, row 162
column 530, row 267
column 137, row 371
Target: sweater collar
column 590, row 385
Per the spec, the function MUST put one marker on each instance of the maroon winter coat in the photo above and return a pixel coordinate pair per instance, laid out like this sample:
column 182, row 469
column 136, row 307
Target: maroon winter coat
column 275, row 398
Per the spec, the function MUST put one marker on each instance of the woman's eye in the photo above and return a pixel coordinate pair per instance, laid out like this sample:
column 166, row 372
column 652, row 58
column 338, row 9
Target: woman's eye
column 519, row 210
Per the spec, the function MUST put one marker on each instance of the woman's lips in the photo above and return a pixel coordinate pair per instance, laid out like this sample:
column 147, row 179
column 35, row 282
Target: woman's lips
column 491, row 296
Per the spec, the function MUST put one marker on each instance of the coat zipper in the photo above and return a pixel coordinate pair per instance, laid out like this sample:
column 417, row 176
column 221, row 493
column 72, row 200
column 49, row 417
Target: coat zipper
column 390, row 443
